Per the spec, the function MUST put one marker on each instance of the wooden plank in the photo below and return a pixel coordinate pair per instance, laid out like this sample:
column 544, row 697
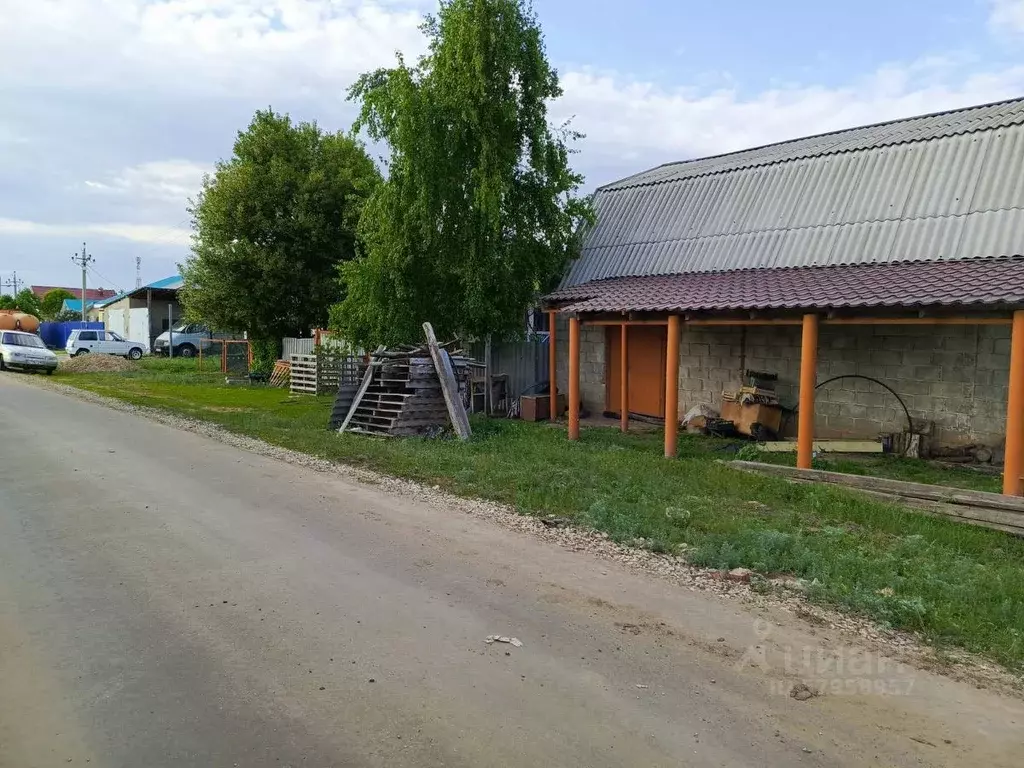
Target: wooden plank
column 826, row 446
column 449, row 385
column 1010, row 522
column 367, row 380
column 899, row 487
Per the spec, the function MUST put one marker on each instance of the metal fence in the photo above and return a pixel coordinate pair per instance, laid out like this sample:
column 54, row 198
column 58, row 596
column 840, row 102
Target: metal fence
column 293, row 346
column 524, row 362
column 55, row 335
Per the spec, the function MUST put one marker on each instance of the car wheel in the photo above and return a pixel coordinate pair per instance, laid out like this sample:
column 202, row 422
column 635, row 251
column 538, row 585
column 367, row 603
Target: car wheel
column 81, row 352
column 49, row 371
column 134, row 353
column 3, row 365
column 186, row 350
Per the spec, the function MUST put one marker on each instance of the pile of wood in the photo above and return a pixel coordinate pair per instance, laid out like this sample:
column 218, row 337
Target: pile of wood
column 405, row 391
column 991, row 510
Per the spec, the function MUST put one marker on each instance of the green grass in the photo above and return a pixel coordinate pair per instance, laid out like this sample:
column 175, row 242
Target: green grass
column 957, row 585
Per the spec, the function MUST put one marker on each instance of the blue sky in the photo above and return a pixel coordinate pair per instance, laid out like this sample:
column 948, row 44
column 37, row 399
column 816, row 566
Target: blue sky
column 115, row 108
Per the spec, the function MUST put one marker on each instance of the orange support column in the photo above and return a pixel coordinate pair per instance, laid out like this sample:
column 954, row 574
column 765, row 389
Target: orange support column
column 623, row 382
column 552, row 369
column 574, row 378
column 1014, row 462
column 808, row 379
column 672, row 388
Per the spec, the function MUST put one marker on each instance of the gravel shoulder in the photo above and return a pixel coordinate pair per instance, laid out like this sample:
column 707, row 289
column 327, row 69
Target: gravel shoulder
column 781, row 598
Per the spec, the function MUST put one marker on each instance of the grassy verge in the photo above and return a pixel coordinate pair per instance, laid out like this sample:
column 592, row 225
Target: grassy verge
column 953, row 583
column 913, row 470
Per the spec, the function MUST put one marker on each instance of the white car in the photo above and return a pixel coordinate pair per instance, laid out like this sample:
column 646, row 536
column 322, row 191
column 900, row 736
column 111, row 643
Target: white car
column 26, row 351
column 82, row 342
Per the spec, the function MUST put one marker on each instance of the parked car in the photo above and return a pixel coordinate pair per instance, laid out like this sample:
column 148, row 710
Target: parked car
column 26, row 351
column 188, row 339
column 82, row 342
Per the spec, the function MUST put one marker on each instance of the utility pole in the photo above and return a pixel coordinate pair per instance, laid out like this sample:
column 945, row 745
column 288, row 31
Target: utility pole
column 13, row 282
column 83, row 260
column 138, row 271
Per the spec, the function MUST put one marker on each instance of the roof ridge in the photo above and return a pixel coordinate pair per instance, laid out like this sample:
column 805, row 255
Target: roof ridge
column 619, row 183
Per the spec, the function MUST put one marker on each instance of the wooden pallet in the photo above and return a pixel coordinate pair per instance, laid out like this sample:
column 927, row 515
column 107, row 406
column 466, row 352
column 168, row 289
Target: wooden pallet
column 281, row 375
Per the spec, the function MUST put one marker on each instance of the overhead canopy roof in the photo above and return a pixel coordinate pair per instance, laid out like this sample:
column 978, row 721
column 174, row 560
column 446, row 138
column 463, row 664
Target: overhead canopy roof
column 939, row 187
column 970, row 283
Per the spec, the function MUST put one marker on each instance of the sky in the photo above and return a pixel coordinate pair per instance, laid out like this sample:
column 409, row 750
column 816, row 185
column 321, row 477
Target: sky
column 114, row 109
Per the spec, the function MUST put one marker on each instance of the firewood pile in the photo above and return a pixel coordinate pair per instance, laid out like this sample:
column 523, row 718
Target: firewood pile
column 407, row 390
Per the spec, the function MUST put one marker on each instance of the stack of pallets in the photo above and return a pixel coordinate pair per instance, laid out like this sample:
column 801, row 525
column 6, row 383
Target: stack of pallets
column 401, row 394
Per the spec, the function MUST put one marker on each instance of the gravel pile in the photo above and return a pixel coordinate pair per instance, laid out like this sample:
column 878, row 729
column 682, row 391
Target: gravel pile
column 96, row 364
column 785, row 593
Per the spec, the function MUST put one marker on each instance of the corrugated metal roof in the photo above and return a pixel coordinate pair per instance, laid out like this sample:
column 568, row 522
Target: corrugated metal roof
column 971, row 282
column 945, row 186
column 172, row 283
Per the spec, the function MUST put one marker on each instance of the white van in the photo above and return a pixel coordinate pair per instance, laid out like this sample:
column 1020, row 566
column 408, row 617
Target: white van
column 82, row 342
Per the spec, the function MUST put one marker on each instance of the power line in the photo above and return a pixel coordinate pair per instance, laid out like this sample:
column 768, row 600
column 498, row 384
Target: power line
column 107, row 280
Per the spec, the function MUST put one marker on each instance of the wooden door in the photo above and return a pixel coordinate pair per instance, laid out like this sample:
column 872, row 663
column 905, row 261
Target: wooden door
column 646, row 369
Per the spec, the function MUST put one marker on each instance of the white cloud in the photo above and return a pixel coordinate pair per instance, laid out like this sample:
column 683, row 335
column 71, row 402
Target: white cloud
column 122, row 105
column 136, row 233
column 633, row 120
column 202, row 46
column 172, row 181
column 1007, row 16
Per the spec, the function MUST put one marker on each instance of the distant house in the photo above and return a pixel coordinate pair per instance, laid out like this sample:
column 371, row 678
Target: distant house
column 144, row 313
column 892, row 251
column 94, row 310
column 91, row 294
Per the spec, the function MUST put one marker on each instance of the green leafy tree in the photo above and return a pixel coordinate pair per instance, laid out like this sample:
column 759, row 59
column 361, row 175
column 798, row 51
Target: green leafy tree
column 6, row 301
column 480, row 211
column 27, row 302
column 53, row 302
column 271, row 227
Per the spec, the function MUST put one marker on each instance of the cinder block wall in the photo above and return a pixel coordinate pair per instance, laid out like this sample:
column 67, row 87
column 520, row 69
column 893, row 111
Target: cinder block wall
column 953, row 376
column 592, row 363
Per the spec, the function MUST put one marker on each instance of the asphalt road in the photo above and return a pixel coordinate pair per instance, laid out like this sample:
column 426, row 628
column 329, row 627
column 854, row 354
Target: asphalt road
column 167, row 600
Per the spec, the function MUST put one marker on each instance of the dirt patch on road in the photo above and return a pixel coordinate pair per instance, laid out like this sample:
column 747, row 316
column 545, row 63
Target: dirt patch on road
column 96, row 364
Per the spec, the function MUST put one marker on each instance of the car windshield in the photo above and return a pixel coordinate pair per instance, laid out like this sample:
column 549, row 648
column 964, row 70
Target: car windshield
column 180, row 328
column 23, row 340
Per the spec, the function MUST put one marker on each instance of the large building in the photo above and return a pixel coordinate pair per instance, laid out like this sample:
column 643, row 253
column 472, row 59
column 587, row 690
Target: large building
column 892, row 251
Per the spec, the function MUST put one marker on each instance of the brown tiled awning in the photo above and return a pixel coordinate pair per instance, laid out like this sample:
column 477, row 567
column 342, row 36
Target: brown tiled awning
column 974, row 282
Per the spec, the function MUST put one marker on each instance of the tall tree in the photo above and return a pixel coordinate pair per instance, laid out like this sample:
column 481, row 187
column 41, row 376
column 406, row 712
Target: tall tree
column 480, row 210
column 27, row 301
column 271, row 227
column 53, row 302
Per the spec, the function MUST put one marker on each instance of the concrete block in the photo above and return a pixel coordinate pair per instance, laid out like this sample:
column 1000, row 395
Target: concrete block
column 953, row 343
column 1001, row 347
column 885, row 357
column 949, row 389
column 871, row 397
column 993, row 362
column 700, row 349
column 837, row 395
column 829, row 409
column 911, row 387
column 840, row 424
